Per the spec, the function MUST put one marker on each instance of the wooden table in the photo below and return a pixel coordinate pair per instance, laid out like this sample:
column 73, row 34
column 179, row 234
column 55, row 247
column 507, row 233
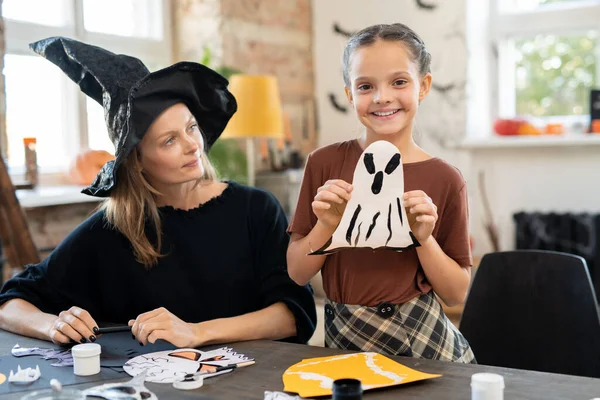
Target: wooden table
column 273, row 358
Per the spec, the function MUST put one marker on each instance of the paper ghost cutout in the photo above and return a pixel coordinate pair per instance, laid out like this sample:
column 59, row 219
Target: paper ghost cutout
column 375, row 216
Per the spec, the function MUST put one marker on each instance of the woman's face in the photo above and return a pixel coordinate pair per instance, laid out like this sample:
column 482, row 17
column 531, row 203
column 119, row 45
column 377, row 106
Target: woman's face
column 170, row 151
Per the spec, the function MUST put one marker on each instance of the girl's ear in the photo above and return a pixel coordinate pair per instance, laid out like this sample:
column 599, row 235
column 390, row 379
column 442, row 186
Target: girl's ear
column 425, row 86
column 349, row 95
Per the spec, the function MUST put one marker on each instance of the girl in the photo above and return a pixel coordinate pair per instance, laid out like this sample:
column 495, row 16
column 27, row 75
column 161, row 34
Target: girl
column 174, row 252
column 384, row 301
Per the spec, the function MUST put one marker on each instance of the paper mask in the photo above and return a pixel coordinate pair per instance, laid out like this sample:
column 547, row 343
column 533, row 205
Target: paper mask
column 174, row 365
column 375, row 216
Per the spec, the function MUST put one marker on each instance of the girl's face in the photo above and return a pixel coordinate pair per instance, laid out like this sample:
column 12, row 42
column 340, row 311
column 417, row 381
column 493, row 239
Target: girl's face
column 170, row 151
column 386, row 87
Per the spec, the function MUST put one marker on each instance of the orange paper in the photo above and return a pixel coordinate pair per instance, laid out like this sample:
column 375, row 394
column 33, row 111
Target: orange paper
column 315, row 376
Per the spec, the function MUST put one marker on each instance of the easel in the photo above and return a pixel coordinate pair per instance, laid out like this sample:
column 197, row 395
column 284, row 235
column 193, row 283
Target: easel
column 17, row 243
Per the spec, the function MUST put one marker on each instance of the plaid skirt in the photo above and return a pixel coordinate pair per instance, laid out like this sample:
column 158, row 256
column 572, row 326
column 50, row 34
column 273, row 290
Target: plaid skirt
column 418, row 328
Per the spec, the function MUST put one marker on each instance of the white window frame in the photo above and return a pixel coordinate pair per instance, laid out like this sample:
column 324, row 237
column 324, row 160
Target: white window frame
column 506, row 25
column 19, row 34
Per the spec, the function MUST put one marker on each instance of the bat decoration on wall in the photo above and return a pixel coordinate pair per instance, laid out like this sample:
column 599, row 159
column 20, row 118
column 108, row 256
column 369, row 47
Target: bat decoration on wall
column 375, row 216
column 425, row 6
column 337, row 105
column 443, row 88
column 339, row 30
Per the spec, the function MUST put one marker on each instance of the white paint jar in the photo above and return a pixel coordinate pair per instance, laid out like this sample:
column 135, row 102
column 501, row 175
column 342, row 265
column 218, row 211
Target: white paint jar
column 86, row 359
column 486, row 386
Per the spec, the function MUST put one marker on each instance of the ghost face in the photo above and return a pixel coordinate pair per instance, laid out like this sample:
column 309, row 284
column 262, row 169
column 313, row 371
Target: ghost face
column 378, row 176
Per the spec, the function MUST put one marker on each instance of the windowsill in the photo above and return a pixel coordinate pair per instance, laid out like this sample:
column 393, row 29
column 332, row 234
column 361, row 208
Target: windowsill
column 530, row 141
column 44, row 196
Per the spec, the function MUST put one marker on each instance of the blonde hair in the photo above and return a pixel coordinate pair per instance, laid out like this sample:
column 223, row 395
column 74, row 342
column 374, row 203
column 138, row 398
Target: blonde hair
column 131, row 207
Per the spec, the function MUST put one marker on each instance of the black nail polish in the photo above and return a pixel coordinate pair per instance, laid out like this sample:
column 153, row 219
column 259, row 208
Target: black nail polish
column 96, row 330
column 141, row 344
column 133, row 336
column 83, row 340
column 92, row 338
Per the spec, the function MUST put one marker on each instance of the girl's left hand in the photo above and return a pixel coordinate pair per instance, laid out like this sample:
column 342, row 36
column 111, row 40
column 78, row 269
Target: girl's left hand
column 162, row 324
column 422, row 214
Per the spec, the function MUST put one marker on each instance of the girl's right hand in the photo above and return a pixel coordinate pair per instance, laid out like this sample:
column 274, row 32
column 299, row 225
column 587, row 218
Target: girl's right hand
column 330, row 202
column 74, row 325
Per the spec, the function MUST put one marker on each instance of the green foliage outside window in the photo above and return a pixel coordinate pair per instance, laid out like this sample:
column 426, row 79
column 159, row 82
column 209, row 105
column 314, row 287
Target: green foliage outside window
column 554, row 74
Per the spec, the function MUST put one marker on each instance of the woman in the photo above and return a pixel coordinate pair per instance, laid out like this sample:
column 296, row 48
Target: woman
column 173, row 252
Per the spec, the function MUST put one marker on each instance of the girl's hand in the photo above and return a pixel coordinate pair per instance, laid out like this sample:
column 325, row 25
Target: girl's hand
column 162, row 324
column 75, row 324
column 422, row 214
column 330, row 202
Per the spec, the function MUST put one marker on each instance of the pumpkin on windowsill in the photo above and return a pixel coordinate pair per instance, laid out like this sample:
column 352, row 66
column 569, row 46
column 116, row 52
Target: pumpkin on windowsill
column 516, row 126
column 86, row 165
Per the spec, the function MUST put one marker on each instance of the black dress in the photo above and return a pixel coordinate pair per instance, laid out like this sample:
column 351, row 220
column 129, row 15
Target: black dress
column 224, row 258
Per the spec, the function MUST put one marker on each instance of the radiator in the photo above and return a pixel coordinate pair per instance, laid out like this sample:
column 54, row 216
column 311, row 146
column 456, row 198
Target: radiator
column 577, row 234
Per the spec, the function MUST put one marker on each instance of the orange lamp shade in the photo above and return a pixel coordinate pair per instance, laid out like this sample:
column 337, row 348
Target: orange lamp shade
column 259, row 112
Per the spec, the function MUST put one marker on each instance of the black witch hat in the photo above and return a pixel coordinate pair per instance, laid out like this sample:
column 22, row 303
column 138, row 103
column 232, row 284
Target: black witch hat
column 133, row 97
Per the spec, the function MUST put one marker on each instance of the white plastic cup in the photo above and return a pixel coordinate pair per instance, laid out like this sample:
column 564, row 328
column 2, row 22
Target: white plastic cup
column 486, row 386
column 86, row 359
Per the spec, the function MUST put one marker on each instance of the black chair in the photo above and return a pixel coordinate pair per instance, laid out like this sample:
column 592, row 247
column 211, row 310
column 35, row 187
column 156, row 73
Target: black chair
column 534, row 310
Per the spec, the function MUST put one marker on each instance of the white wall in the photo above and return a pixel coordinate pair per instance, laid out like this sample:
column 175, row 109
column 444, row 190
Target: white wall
column 556, row 179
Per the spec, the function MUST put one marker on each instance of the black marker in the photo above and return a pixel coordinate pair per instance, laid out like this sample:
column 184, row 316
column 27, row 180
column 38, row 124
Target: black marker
column 113, row 329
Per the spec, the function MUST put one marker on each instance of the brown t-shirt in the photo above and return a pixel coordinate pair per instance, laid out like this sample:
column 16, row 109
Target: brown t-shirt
column 367, row 277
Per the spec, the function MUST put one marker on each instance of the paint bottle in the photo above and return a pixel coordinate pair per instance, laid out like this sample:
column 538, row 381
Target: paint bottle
column 346, row 389
column 86, row 359
column 31, row 167
column 486, row 386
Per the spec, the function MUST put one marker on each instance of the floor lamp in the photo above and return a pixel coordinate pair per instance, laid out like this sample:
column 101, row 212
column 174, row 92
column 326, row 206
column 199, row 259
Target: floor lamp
column 259, row 113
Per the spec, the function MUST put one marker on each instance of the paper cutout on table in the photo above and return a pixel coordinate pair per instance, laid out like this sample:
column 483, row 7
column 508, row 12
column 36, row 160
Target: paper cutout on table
column 64, row 357
column 280, row 396
column 114, row 354
column 315, row 376
column 25, row 375
column 131, row 390
column 375, row 216
column 2, row 378
column 169, row 366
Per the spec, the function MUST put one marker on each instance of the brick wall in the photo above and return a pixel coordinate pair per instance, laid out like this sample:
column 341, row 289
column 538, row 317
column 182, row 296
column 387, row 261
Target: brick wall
column 256, row 37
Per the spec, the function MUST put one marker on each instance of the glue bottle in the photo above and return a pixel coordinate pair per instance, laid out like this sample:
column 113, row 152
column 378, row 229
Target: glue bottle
column 486, row 386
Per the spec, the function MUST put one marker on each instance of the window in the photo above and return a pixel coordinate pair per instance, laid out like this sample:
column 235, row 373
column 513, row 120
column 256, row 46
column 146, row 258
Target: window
column 41, row 101
column 547, row 57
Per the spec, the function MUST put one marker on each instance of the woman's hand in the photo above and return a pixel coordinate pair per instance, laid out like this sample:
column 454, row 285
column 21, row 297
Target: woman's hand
column 162, row 324
column 422, row 214
column 330, row 202
column 76, row 324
